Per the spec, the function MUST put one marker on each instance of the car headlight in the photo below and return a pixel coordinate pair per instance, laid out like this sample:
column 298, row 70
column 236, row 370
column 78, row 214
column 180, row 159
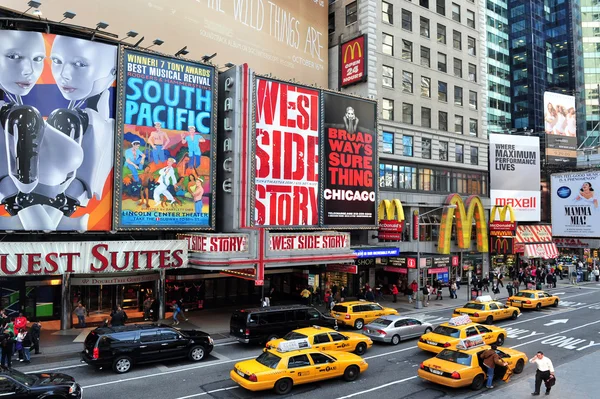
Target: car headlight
column 71, row 389
column 210, row 340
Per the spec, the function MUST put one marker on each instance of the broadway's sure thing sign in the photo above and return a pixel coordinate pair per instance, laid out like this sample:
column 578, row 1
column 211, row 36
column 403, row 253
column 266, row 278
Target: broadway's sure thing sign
column 56, row 132
column 350, row 161
column 287, row 154
column 575, row 204
column 166, row 155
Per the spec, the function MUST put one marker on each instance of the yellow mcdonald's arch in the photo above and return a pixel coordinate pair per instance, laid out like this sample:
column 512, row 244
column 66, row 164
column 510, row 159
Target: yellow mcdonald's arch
column 502, row 213
column 391, row 210
column 463, row 224
column 352, row 47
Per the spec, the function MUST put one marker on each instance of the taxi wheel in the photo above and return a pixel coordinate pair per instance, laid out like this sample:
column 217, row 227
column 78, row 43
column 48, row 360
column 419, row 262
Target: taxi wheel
column 283, row 386
column 478, row 382
column 519, row 367
column 538, row 306
column 515, row 315
column 395, row 339
column 500, row 340
column 272, row 337
column 555, row 304
column 361, row 348
column 428, row 330
column 489, row 320
column 351, row 373
column 359, row 324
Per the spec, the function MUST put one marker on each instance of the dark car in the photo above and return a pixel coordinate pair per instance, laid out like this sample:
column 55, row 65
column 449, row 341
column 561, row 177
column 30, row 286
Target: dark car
column 260, row 325
column 14, row 384
column 121, row 347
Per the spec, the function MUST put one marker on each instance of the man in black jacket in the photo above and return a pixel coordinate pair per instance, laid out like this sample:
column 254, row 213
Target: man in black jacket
column 118, row 317
column 7, row 342
column 35, row 332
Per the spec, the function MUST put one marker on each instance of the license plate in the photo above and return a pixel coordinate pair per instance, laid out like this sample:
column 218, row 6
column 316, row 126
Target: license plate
column 516, row 301
column 464, row 314
column 336, row 314
column 239, row 372
column 432, row 343
column 438, row 372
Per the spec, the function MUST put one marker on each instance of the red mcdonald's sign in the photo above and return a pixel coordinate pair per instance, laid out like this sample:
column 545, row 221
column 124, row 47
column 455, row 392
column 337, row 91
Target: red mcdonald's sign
column 502, row 245
column 353, row 61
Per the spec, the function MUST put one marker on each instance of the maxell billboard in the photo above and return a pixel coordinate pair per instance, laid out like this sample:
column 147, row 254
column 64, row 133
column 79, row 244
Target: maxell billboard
column 560, row 125
column 575, row 207
column 515, row 175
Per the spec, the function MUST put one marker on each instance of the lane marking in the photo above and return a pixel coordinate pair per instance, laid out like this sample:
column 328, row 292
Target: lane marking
column 227, row 343
column 56, row 368
column 390, row 353
column 556, row 333
column 208, row 392
column 377, row 388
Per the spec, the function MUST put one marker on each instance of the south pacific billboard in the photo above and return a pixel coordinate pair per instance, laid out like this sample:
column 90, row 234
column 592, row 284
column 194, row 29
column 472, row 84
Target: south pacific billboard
column 166, row 122
column 57, row 132
column 349, row 160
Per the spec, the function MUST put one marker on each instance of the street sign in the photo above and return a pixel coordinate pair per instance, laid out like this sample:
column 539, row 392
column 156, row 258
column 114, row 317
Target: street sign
column 259, row 282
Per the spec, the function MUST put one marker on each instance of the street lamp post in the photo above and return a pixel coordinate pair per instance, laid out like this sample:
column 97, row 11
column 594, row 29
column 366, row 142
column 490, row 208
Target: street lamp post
column 419, row 304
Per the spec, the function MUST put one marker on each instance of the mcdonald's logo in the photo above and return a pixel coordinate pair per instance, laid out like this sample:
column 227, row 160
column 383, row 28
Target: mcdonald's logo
column 352, row 60
column 391, row 220
column 502, row 245
column 501, row 227
column 354, row 48
column 464, row 221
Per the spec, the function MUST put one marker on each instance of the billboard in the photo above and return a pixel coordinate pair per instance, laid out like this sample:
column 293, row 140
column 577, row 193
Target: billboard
column 57, row 132
column 515, row 175
column 349, row 160
column 287, row 154
column 282, row 37
column 353, row 61
column 166, row 122
column 560, row 125
column 575, row 204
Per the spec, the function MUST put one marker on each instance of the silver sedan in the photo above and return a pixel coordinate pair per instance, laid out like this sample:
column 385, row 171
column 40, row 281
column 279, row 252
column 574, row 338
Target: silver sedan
column 393, row 329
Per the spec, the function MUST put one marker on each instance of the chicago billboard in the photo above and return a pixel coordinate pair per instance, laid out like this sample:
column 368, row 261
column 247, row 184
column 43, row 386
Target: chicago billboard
column 575, row 211
column 353, row 61
column 166, row 123
column 57, row 132
column 282, row 37
column 349, row 160
column 287, row 154
column 515, row 175
column 560, row 125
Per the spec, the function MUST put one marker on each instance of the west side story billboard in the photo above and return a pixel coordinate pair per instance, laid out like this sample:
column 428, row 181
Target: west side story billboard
column 515, row 174
column 575, row 204
column 166, row 152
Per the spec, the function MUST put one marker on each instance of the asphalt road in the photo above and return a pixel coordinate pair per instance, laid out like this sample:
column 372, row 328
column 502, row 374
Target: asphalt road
column 565, row 334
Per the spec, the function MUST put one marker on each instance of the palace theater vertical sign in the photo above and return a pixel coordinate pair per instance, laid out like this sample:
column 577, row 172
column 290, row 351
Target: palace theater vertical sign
column 353, row 61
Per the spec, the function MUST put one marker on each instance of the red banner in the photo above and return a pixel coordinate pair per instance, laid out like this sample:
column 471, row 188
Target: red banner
column 287, row 154
column 437, row 270
column 503, row 229
column 392, row 269
column 343, row 268
column 353, row 56
column 415, row 227
column 390, row 230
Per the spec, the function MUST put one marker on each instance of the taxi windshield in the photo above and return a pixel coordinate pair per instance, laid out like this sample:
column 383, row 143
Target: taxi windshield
column 447, row 331
column 294, row 335
column 455, row 357
column 382, row 322
column 269, row 360
column 476, row 306
column 524, row 295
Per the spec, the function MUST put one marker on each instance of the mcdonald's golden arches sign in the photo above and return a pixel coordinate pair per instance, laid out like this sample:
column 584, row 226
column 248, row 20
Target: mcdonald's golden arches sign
column 353, row 61
column 464, row 223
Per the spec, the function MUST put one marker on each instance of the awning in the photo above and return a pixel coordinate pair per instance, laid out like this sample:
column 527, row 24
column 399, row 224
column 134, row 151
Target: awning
column 545, row 251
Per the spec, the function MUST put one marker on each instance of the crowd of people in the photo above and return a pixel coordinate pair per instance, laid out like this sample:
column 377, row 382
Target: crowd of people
column 18, row 337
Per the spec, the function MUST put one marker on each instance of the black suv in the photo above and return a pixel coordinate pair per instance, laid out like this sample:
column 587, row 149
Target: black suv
column 14, row 384
column 121, row 347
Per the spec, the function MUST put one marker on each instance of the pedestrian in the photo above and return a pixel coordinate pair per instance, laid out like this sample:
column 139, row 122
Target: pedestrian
column 485, row 282
column 370, row 296
column 176, row 310
column 490, row 360
column 394, row 293
column 3, row 319
column 154, row 309
column 118, row 317
column 426, row 294
column 338, row 296
column 305, row 294
column 574, row 277
column 328, row 300
column 6, row 342
column 500, row 278
column 453, row 289
column 181, row 308
column 596, row 273
column 509, row 288
column 343, row 293
column 415, row 288
column 19, row 343
column 545, row 369
column 439, row 287
column 27, row 343
column 80, row 312
column 35, row 332
column 549, row 280
column 20, row 322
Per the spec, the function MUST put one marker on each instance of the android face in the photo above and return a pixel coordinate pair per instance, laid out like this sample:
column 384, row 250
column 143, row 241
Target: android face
column 21, row 60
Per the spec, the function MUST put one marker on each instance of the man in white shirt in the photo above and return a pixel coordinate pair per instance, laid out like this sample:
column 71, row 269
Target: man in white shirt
column 545, row 369
column 166, row 178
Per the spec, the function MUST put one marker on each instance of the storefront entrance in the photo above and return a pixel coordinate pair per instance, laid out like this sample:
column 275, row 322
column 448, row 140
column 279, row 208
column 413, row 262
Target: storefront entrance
column 102, row 299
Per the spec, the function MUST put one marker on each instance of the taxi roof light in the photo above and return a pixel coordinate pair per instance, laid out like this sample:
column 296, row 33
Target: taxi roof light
column 484, row 298
column 293, row 345
column 459, row 320
column 317, row 327
column 470, row 342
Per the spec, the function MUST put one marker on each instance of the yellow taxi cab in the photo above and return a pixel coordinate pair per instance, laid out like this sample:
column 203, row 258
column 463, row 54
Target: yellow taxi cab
column 485, row 309
column 327, row 339
column 359, row 313
column 463, row 366
column 292, row 363
column 448, row 335
column 532, row 299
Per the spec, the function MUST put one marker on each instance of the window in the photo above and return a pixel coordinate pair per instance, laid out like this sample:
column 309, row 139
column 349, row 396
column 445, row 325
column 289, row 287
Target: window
column 335, row 337
column 407, row 82
column 425, row 57
column 443, row 150
column 459, row 152
column 472, row 73
column 473, row 127
column 440, row 7
column 425, row 117
column 406, row 20
column 470, row 19
column 441, row 34
column 455, row 12
column 441, row 62
column 471, row 45
column 331, row 23
column 321, row 338
column 148, row 336
column 168, row 335
column 458, row 68
column 458, row 95
column 434, row 180
column 473, row 100
column 351, row 13
column 321, row 358
column 426, row 148
column 407, row 113
column 458, row 124
column 457, row 40
column 407, row 143
column 424, row 3
column 298, row 361
column 388, row 44
column 424, row 27
column 388, row 76
column 407, row 50
column 474, row 156
column 397, row 177
column 443, row 121
column 388, row 143
column 484, row 330
column 387, row 12
column 471, row 331
column 425, row 87
column 388, row 109
column 443, row 91
column 8, row 387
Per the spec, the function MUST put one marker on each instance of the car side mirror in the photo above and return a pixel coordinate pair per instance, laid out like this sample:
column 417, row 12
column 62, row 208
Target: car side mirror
column 346, row 338
column 21, row 389
column 180, row 336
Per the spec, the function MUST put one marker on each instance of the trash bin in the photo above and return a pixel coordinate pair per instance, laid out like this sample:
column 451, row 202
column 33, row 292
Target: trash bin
column 585, row 275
